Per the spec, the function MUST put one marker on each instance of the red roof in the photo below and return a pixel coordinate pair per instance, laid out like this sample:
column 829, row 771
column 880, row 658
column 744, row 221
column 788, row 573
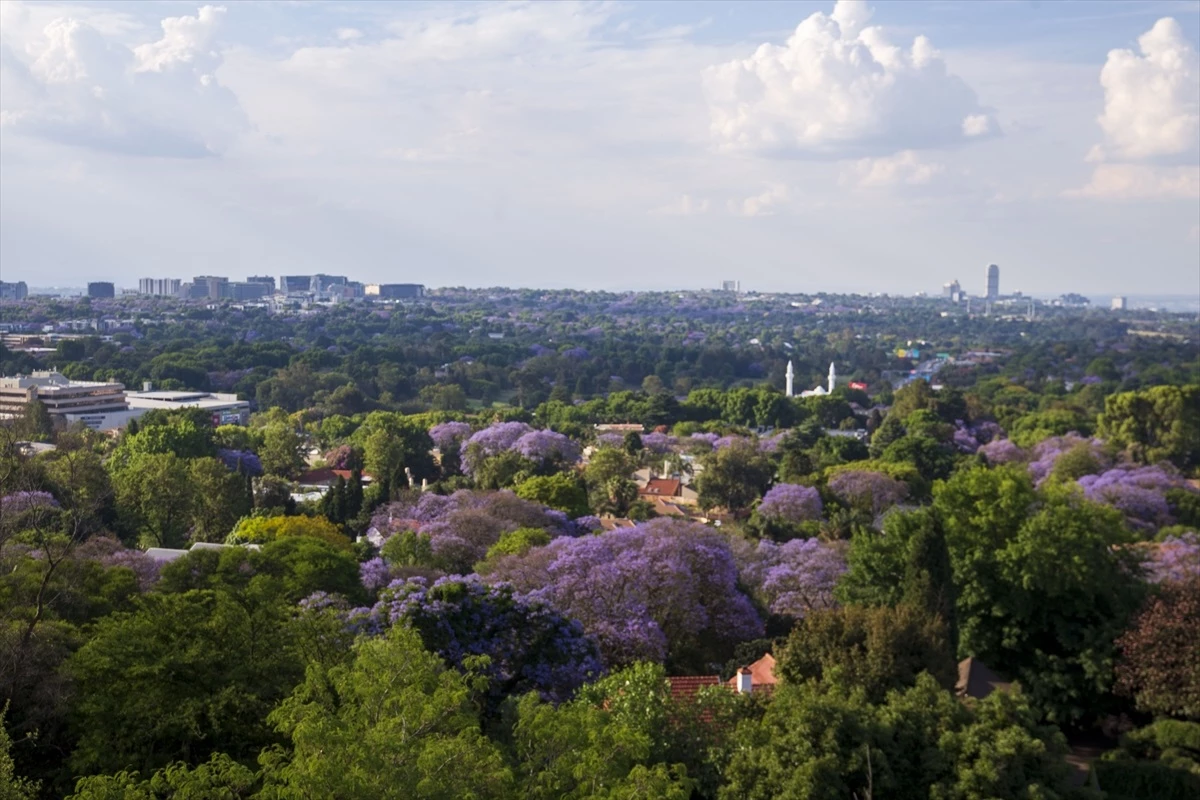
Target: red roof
column 327, row 475
column 662, row 487
column 684, row 687
column 762, row 674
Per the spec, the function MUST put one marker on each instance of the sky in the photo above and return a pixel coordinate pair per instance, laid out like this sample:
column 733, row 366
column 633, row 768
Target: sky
column 807, row 146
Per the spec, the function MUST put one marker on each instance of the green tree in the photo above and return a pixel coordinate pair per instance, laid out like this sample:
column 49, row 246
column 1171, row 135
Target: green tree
column 12, row 786
column 282, row 451
column 1046, row 581
column 219, row 778
column 219, row 499
column 734, row 477
column 261, row 530
column 154, row 498
column 928, row 574
column 610, row 489
column 1155, row 424
column 182, row 677
column 35, row 424
column 393, row 722
column 876, row 649
column 561, row 491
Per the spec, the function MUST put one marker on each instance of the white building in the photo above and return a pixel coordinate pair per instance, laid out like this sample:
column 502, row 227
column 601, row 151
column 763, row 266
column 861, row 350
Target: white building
column 72, row 400
column 821, row 391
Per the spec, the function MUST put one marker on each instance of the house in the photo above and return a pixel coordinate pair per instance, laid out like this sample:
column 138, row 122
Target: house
column 757, row 677
column 325, row 477
column 685, row 687
column 661, row 487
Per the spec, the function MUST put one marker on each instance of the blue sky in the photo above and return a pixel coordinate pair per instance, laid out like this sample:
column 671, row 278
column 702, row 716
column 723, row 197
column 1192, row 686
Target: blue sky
column 887, row 146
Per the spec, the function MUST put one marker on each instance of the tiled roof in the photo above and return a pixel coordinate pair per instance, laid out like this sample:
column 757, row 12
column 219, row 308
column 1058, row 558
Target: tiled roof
column 684, row 687
column 662, row 487
column 762, row 674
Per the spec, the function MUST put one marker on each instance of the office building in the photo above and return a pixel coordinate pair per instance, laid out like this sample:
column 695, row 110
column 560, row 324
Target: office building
column 83, row 401
column 731, row 286
column 1120, row 303
column 951, row 291
column 993, row 282
column 225, row 409
column 101, row 289
column 289, row 284
column 13, row 291
column 250, row 290
column 160, row 287
column 264, row 279
column 395, row 291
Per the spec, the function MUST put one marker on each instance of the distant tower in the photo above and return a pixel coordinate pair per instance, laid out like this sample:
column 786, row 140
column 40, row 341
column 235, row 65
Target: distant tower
column 790, row 374
column 993, row 282
column 832, row 377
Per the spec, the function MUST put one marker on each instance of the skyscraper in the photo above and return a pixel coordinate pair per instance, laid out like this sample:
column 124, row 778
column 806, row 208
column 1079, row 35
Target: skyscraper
column 993, row 282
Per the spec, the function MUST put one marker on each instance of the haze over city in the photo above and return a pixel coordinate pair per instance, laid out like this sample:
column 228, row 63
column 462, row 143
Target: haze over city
column 886, row 147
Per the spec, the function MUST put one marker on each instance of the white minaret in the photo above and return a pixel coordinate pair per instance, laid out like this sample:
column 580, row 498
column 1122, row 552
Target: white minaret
column 790, row 376
column 832, row 377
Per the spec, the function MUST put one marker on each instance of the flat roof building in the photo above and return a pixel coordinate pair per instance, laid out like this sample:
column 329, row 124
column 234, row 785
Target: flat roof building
column 101, row 289
column 61, row 395
column 13, row 291
column 225, row 408
column 395, row 291
column 160, row 287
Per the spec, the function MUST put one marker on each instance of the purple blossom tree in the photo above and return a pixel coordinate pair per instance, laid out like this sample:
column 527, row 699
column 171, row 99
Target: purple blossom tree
column 449, row 435
column 663, row 590
column 342, row 457
column 243, row 461
column 1176, row 559
column 1137, row 492
column 491, row 441
column 1047, row 452
column 705, row 439
column 375, row 574
column 1001, row 451
column 545, row 447
column 17, row 502
column 793, row 578
column 791, row 503
column 530, row 646
column 867, row 490
column 658, row 443
column 610, row 439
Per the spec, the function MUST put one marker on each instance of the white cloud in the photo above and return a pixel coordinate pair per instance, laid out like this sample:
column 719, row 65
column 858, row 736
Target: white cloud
column 760, row 205
column 1141, row 182
column 184, row 41
column 1151, row 100
column 904, row 168
column 77, row 86
column 685, row 206
column 840, row 88
column 349, row 34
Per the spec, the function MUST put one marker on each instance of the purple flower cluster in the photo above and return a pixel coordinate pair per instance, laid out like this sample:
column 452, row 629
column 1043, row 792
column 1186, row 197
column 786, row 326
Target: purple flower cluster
column 375, row 574
column 243, row 461
column 449, row 435
column 547, row 447
column 610, row 439
column 1047, row 452
column 1175, row 559
column 17, row 502
column 144, row 567
column 530, row 645
column 1137, row 492
column 1001, row 451
column 771, row 444
column 462, row 526
column 577, row 353
column 705, row 439
column 791, row 503
column 659, row 443
column 490, row 441
column 868, row 490
column 340, row 457
column 792, row 578
column 727, row 441
column 650, row 592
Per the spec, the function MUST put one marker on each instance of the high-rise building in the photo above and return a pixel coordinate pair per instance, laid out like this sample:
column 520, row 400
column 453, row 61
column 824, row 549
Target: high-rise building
column 250, row 290
column 294, row 283
column 395, row 291
column 159, row 287
column 13, row 291
column 951, row 290
column 993, row 282
column 731, row 286
column 101, row 289
column 1120, row 304
column 265, row 279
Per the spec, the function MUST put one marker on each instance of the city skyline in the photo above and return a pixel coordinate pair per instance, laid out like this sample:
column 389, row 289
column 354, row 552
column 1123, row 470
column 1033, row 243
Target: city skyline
column 646, row 146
